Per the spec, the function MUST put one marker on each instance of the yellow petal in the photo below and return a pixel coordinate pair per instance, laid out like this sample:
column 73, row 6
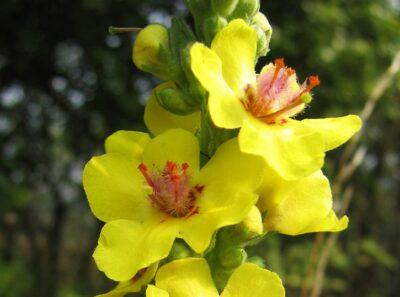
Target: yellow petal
column 220, row 205
column 114, row 187
column 234, row 168
column 125, row 247
column 153, row 291
column 330, row 223
column 158, row 120
column 251, row 280
column 128, row 143
column 188, row 277
column 335, row 131
column 297, row 207
column 225, row 107
column 176, row 145
column 236, row 46
column 293, row 150
column 132, row 286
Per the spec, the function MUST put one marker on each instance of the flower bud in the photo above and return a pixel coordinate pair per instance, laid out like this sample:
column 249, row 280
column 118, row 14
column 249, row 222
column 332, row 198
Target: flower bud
column 224, row 7
column 245, row 9
column 261, row 21
column 174, row 101
column 256, row 260
column 264, row 32
column 179, row 251
column 212, row 26
column 232, row 258
column 147, row 47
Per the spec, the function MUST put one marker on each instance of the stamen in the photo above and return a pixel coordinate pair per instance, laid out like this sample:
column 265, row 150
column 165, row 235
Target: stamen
column 143, row 169
column 172, row 192
column 279, row 64
column 290, row 72
column 313, row 81
column 184, row 167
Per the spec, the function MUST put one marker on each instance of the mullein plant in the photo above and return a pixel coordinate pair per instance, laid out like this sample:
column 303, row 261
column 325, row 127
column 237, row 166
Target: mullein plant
column 224, row 164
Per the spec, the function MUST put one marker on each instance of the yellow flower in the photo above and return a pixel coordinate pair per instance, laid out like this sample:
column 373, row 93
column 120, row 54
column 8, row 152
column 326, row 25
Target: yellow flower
column 158, row 119
column 297, row 207
column 262, row 105
column 150, row 191
column 141, row 279
column 191, row 277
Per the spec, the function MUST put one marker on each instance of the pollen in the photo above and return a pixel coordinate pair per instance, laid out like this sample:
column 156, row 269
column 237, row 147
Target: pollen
column 277, row 94
column 173, row 192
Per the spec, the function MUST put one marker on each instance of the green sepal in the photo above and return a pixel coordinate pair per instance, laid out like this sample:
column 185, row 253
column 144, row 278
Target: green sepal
column 174, row 101
column 211, row 26
column 232, row 258
column 180, row 35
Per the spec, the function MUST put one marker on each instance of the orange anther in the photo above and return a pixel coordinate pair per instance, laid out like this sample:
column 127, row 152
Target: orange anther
column 143, row 169
column 314, row 80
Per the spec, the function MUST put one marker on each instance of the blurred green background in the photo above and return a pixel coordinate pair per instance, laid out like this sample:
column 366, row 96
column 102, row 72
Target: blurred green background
column 65, row 85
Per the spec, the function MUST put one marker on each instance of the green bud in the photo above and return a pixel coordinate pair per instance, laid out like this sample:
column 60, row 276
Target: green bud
column 174, row 101
column 256, row 260
column 261, row 21
column 232, row 258
column 146, row 50
column 264, row 32
column 245, row 9
column 212, row 26
column 179, row 251
column 224, row 7
column 262, row 42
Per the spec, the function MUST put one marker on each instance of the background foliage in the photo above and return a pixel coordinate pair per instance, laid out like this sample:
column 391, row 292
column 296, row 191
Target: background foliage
column 65, row 85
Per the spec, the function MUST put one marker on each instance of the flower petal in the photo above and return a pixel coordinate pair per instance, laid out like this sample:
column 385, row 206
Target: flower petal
column 125, row 247
column 132, row 286
column 128, row 143
column 153, row 291
column 176, row 145
column 297, row 207
column 188, row 277
column 158, row 119
column 335, row 131
column 234, row 168
column 293, row 150
column 251, row 278
column 230, row 179
column 253, row 221
column 219, row 206
column 225, row 108
column 114, row 187
column 236, row 46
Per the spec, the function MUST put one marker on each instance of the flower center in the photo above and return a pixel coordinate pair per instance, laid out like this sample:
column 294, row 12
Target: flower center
column 172, row 190
column 277, row 95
